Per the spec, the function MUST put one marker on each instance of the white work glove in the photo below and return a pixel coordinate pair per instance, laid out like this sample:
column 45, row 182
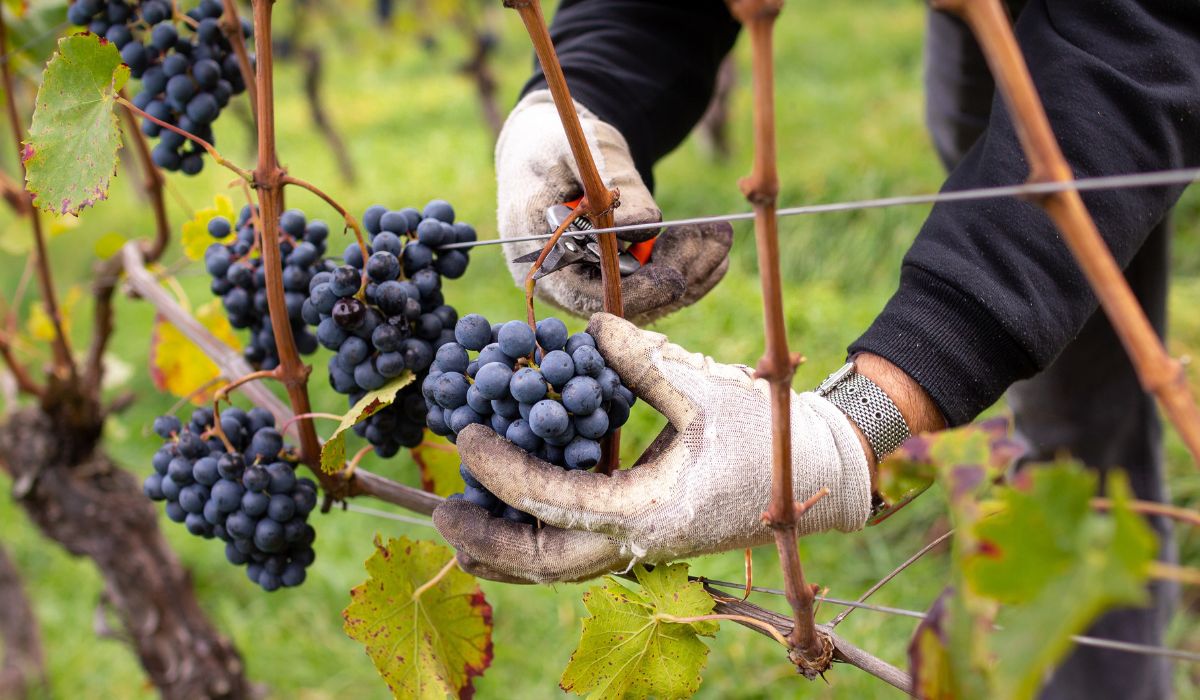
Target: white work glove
column 535, row 170
column 701, row 487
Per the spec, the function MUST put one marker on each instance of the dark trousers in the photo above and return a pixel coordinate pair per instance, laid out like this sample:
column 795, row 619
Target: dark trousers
column 1088, row 403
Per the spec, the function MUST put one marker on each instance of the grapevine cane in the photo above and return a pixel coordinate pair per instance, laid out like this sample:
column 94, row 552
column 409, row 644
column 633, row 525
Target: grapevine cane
column 600, row 198
column 810, row 651
column 1158, row 372
column 64, row 366
column 269, row 180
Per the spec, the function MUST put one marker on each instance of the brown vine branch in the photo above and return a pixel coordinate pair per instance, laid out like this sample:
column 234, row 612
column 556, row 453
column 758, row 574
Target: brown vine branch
column 232, row 364
column 231, row 25
column 1183, row 515
column 23, row 667
column 15, row 195
column 64, row 365
column 269, row 179
column 212, row 150
column 1158, row 372
column 601, row 200
column 25, row 382
column 843, row 651
column 108, row 272
column 777, row 364
column 314, row 69
column 478, row 67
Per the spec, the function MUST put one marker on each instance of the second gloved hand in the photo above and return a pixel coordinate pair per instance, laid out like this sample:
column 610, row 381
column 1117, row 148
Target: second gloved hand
column 535, row 170
column 701, row 487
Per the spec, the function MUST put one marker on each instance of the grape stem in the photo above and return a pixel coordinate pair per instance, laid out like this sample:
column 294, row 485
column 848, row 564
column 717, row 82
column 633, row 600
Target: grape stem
column 530, row 283
column 350, row 222
column 601, row 200
column 212, row 151
column 231, row 25
column 436, row 578
column 223, row 394
column 312, row 414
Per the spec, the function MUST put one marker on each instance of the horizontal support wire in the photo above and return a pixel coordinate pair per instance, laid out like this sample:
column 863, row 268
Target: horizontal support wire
column 1107, row 182
column 364, row 510
column 1116, row 645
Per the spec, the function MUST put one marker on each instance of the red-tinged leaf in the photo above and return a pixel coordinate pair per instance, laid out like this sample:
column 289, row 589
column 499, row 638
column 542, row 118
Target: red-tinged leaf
column 438, row 461
column 929, row 655
column 427, row 646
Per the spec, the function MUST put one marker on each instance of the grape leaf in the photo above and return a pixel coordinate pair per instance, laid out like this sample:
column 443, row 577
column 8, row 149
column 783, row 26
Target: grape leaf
column 438, row 461
column 333, row 452
column 195, row 237
column 929, row 654
column 71, row 153
column 629, row 650
column 41, row 328
column 178, row 366
column 428, row 646
column 1058, row 564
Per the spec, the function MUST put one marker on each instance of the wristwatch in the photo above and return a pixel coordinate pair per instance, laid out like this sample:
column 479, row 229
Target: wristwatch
column 868, row 406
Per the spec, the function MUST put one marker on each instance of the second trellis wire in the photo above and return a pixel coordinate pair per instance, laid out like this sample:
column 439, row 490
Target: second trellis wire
column 1107, row 182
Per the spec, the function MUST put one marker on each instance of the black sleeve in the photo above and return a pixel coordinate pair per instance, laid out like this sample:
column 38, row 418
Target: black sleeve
column 989, row 293
column 647, row 68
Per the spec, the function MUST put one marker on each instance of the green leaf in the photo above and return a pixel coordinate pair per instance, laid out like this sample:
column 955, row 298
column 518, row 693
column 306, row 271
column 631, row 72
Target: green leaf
column 333, row 452
column 71, row 154
column 438, row 461
column 629, row 650
column 1057, row 564
column 427, row 646
column 109, row 245
column 929, row 654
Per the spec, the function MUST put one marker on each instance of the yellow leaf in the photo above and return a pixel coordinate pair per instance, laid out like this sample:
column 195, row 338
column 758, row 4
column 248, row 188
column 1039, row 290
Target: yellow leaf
column 181, row 368
column 109, row 245
column 39, row 325
column 195, row 232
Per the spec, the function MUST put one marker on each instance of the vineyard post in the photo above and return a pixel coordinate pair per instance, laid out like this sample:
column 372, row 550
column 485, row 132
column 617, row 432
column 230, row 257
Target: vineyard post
column 810, row 650
column 1158, row 372
column 601, row 201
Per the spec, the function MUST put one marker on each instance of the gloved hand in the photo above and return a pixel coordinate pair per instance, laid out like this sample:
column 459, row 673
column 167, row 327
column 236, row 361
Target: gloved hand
column 701, row 487
column 535, row 170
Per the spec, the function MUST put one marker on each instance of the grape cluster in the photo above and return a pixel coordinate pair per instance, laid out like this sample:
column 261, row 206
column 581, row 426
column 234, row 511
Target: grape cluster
column 558, row 407
column 249, row 498
column 397, row 321
column 239, row 278
column 186, row 80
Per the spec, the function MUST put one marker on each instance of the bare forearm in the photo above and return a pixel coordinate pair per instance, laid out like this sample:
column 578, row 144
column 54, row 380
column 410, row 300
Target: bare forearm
column 918, row 409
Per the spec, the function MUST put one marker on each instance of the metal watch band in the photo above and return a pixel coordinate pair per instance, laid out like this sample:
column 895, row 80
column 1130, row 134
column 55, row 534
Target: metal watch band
column 868, row 406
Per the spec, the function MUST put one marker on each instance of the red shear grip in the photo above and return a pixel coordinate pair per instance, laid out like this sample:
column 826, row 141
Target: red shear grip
column 642, row 250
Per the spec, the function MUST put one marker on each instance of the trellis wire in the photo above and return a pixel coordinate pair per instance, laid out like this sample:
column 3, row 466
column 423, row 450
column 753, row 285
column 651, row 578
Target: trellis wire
column 1082, row 640
column 354, row 508
column 1106, row 182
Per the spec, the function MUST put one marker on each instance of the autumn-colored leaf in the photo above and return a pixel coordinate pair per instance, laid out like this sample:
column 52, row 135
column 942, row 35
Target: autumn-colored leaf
column 178, row 366
column 438, row 461
column 195, row 238
column 71, row 153
column 333, row 451
column 425, row 646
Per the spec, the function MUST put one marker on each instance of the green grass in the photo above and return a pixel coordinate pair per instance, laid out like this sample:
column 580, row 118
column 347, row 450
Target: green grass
column 850, row 126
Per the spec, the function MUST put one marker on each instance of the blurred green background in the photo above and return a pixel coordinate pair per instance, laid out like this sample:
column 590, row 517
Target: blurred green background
column 849, row 126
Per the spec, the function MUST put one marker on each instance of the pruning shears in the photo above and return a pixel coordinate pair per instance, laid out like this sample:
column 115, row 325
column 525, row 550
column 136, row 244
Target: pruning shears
column 574, row 250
